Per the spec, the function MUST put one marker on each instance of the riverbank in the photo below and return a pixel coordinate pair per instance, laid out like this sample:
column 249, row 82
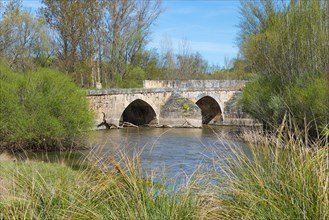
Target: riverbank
column 114, row 191
column 272, row 182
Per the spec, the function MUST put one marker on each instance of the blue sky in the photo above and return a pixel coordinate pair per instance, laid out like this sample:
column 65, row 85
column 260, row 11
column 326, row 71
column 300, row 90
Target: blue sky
column 209, row 27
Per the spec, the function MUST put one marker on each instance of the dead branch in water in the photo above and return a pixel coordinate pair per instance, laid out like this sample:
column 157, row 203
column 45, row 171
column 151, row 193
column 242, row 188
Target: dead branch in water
column 106, row 124
column 128, row 124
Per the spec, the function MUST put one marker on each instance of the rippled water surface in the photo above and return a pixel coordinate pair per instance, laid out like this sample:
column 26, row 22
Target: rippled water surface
column 175, row 149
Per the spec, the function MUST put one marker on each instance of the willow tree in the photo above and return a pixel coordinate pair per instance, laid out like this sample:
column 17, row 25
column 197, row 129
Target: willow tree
column 286, row 44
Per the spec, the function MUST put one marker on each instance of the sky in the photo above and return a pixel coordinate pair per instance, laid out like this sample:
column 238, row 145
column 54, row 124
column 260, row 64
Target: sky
column 208, row 26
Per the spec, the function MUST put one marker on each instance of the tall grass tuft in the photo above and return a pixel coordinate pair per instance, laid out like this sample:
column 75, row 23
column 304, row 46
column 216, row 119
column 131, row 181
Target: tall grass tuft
column 283, row 179
column 104, row 189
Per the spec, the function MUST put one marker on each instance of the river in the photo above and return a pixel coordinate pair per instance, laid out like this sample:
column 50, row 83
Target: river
column 175, row 151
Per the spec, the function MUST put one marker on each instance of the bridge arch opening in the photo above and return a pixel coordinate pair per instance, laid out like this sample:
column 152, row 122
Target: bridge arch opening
column 210, row 110
column 138, row 112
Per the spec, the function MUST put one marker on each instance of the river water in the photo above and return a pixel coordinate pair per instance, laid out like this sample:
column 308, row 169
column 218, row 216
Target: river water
column 175, row 150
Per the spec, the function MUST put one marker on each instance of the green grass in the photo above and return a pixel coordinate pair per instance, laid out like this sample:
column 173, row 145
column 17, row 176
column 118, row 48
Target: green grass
column 287, row 179
column 278, row 178
column 112, row 190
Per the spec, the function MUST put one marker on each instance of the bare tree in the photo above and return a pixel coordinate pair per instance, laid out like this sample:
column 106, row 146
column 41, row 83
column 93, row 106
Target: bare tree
column 168, row 63
column 185, row 64
column 79, row 29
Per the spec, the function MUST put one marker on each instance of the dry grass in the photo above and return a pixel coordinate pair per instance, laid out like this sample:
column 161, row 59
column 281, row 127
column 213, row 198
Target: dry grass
column 6, row 157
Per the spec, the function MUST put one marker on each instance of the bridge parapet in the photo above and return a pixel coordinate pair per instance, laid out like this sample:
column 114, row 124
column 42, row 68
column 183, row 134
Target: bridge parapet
column 200, row 84
column 153, row 90
column 161, row 86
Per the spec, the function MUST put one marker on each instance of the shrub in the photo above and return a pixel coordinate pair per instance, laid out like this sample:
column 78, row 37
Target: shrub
column 43, row 108
column 268, row 99
column 261, row 99
column 308, row 100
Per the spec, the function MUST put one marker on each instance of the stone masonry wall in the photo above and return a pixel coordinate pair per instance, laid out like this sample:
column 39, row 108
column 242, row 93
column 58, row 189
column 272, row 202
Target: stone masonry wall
column 157, row 94
column 219, row 84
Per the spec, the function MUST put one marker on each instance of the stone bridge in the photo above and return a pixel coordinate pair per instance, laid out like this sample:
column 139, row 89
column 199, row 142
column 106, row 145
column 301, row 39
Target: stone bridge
column 172, row 103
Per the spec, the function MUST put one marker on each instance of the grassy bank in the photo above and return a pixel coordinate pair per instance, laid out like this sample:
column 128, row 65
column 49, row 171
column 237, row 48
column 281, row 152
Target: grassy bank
column 285, row 180
column 284, row 177
column 35, row 190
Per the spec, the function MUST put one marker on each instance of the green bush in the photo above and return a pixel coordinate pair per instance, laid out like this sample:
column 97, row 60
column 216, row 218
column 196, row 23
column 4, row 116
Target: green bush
column 308, row 100
column 42, row 108
column 261, row 99
column 305, row 99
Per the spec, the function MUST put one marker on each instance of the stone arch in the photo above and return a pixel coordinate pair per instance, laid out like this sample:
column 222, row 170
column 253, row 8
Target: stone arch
column 139, row 112
column 210, row 110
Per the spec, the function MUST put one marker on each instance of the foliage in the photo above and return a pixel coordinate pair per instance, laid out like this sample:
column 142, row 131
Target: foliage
column 42, row 108
column 97, row 191
column 23, row 37
column 98, row 31
column 308, row 99
column 133, row 78
column 286, row 44
column 256, row 99
column 98, row 42
column 229, row 75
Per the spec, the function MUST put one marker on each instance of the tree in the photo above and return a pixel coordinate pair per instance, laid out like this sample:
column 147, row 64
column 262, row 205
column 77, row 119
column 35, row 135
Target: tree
column 167, row 59
column 72, row 22
column 23, row 37
column 289, row 48
column 185, row 64
column 127, row 30
column 256, row 17
column 93, row 33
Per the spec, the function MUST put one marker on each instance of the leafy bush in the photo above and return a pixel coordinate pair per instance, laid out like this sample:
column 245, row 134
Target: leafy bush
column 305, row 98
column 262, row 100
column 287, row 45
column 43, row 108
column 308, row 99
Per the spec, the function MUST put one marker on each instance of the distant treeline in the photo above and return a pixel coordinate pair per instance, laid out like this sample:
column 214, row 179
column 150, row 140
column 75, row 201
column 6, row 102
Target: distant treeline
column 99, row 42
